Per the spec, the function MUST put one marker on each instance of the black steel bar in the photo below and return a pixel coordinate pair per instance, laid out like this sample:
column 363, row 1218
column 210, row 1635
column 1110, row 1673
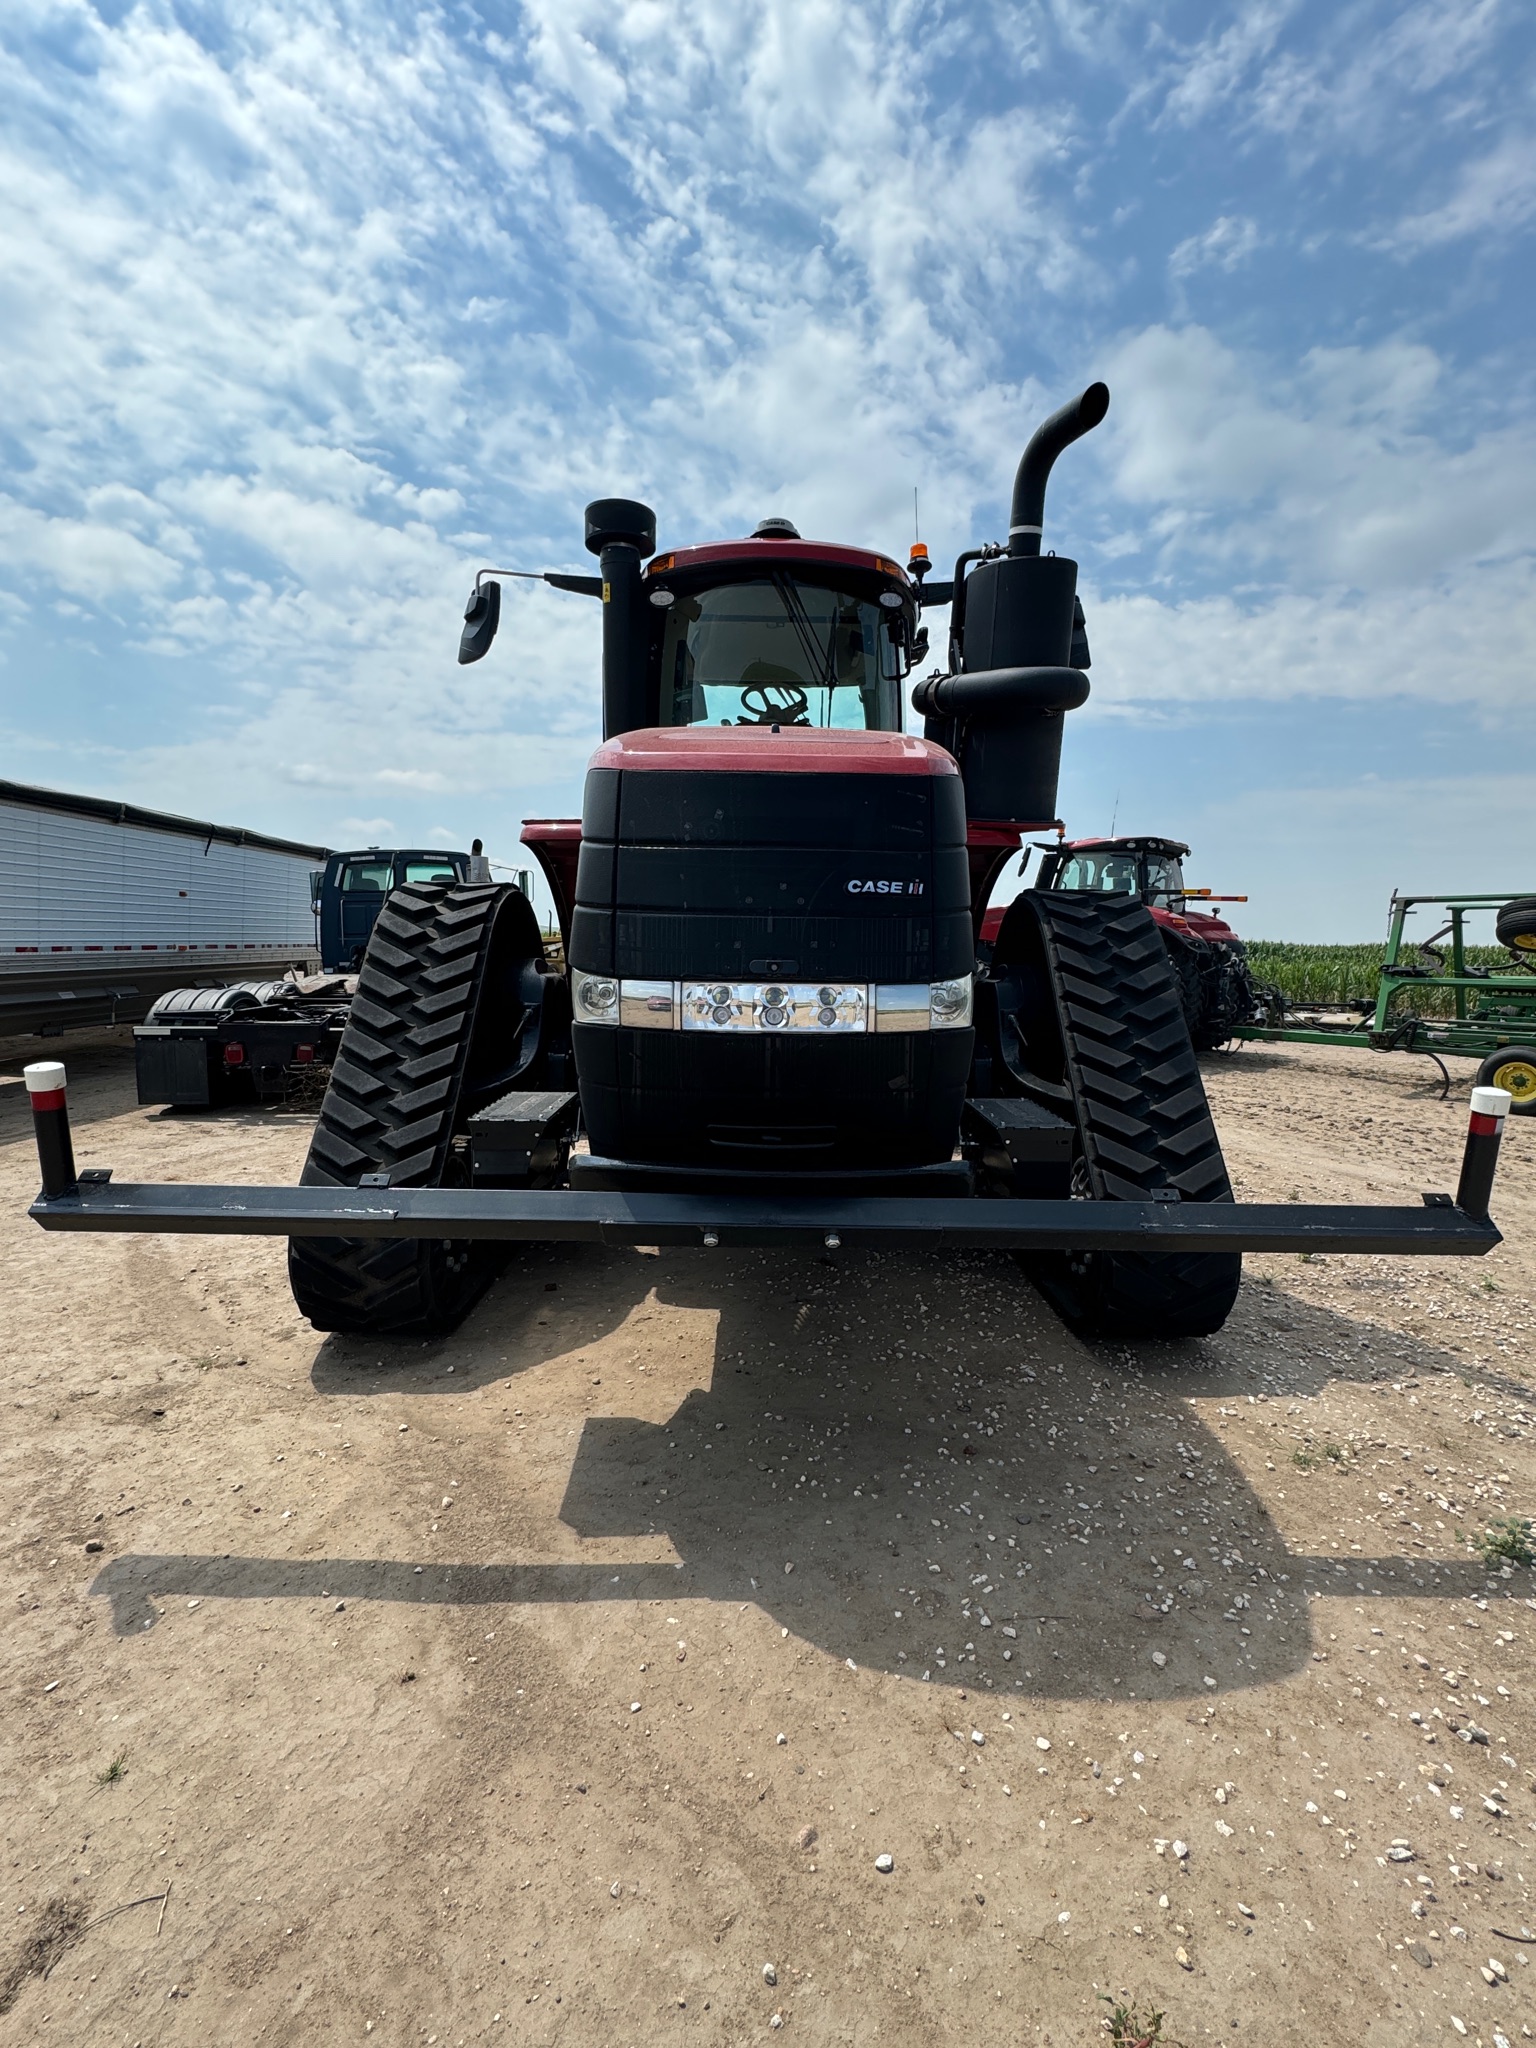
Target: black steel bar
column 1485, row 1127
column 46, row 1082
column 614, row 1217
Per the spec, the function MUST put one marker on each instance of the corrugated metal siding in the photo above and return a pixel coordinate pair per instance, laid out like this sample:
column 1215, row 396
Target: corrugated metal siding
column 78, row 891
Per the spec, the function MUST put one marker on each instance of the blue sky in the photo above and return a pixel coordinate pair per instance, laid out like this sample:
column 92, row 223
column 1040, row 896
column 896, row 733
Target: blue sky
column 308, row 310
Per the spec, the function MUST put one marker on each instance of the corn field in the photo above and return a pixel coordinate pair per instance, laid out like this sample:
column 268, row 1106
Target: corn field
column 1349, row 974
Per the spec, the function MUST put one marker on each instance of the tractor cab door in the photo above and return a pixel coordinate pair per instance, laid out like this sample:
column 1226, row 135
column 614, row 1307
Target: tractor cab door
column 1164, row 888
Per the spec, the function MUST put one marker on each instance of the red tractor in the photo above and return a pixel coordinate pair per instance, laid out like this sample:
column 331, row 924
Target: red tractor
column 774, row 1029
column 1210, row 964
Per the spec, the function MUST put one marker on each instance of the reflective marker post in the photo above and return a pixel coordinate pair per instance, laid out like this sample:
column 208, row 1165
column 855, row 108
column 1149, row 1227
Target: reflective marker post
column 1490, row 1106
column 50, row 1121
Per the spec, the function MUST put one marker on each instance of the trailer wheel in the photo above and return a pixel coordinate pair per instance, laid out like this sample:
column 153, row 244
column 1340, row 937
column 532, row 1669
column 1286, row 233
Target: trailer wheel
column 1104, row 1015
column 1515, row 926
column 1514, row 1068
column 445, row 1019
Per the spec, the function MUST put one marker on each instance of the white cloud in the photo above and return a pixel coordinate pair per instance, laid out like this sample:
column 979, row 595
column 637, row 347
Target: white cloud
column 1494, row 195
column 1229, row 241
column 1332, row 475
column 87, row 557
column 1464, row 643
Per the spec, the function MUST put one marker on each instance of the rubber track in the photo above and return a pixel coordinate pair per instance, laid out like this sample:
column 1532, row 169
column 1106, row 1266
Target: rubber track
column 391, row 1107
column 1142, row 1112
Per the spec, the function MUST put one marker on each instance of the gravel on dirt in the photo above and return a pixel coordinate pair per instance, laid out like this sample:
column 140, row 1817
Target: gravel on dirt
column 1219, row 1597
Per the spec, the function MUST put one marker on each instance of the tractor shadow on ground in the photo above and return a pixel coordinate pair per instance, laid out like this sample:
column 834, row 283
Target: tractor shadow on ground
column 900, row 1462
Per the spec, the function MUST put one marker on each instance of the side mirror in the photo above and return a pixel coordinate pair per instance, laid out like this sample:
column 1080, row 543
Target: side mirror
column 920, row 646
column 482, row 615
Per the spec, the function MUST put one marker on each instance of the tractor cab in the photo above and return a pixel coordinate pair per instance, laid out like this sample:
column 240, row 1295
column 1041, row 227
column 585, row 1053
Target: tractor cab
column 778, row 631
column 1149, row 869
column 1152, row 870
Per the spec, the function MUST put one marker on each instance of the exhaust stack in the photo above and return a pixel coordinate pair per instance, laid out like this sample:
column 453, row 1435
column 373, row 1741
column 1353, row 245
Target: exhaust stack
column 1000, row 714
column 1075, row 419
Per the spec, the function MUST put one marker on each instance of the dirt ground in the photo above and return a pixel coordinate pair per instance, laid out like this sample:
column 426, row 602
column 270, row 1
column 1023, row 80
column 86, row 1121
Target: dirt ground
column 448, row 1704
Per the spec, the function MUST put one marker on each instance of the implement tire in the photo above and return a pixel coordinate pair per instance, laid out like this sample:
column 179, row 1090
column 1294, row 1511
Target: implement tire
column 1512, row 1067
column 448, row 984
column 1515, row 927
column 1109, row 1022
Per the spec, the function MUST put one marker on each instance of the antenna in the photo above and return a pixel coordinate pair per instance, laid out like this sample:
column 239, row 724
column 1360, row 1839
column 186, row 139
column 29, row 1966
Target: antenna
column 1114, row 814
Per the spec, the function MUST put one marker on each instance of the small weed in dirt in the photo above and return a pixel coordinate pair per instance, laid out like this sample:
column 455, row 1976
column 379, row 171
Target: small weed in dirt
column 1335, row 1451
column 1511, row 1540
column 118, row 1768
column 1127, row 2026
column 59, row 1926
column 1305, row 1459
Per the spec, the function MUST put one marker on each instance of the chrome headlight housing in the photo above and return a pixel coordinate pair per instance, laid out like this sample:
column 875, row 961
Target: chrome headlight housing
column 811, row 1009
column 594, row 998
column 949, row 1004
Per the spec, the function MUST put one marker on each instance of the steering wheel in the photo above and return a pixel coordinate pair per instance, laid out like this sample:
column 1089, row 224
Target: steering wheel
column 777, row 704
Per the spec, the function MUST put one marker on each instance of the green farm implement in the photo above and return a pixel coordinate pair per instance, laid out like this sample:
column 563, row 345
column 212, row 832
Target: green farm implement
column 1431, row 999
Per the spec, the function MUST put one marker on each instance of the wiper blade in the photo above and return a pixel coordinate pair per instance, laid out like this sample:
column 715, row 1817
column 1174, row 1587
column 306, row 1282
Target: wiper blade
column 822, row 658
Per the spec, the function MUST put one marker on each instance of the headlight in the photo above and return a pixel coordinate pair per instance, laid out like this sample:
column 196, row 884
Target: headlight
column 949, row 1004
column 594, row 998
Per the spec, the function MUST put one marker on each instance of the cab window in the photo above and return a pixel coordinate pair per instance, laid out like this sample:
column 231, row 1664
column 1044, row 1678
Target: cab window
column 375, row 875
column 1165, row 883
column 780, row 651
column 1112, row 874
column 430, row 871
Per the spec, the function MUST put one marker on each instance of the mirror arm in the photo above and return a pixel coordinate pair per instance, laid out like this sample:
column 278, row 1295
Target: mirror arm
column 585, row 586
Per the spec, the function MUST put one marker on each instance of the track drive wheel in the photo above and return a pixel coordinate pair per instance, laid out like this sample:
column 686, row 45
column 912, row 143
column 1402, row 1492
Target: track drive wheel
column 1512, row 1067
column 447, row 1016
column 1098, row 1008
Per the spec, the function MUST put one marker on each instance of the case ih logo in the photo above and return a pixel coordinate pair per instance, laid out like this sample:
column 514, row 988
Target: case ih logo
column 858, row 888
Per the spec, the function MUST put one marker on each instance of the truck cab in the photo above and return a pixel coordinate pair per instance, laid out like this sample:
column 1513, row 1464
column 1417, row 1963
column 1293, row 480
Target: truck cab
column 352, row 890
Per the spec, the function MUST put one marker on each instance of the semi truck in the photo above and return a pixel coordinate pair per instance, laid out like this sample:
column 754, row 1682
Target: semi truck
column 105, row 906
column 203, row 1047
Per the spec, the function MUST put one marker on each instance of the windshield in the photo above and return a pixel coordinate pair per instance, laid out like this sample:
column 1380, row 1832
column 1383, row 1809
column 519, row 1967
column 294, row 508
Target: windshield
column 1112, row 874
column 780, row 652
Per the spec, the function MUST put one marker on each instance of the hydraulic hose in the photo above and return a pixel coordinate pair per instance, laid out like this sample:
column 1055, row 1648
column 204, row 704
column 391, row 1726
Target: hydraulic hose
column 1045, row 444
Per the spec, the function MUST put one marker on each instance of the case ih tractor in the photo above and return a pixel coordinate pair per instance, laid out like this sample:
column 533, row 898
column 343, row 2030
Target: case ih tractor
column 773, row 1030
column 1209, row 962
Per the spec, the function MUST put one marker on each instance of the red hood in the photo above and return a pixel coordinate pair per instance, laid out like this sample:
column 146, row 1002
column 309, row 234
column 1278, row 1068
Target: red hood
column 1199, row 924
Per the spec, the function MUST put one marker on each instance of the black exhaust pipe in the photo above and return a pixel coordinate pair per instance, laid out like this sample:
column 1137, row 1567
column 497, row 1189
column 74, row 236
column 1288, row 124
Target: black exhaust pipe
column 1013, row 638
column 1074, row 420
